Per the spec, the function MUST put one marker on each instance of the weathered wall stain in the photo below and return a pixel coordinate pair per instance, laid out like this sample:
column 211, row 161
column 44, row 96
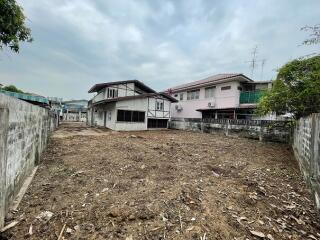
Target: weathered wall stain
column 306, row 146
column 273, row 131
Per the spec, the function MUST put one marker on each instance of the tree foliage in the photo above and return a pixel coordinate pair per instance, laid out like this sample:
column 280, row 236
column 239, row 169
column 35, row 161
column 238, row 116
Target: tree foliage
column 12, row 88
column 12, row 25
column 296, row 89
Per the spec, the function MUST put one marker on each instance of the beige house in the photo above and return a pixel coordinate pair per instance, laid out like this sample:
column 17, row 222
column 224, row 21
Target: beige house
column 233, row 96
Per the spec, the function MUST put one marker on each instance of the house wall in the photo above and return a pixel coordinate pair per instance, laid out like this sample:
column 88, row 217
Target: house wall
column 147, row 105
column 222, row 99
column 24, row 132
column 102, row 112
column 153, row 113
column 140, row 104
column 123, row 91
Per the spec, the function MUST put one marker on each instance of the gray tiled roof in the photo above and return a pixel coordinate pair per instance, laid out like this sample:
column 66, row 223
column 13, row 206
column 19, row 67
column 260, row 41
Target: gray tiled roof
column 211, row 79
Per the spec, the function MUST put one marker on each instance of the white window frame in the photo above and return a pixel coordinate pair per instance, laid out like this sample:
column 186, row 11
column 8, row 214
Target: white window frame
column 209, row 92
column 159, row 105
column 193, row 94
column 112, row 93
column 226, row 88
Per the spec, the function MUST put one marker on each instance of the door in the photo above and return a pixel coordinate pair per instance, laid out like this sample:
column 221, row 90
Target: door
column 105, row 119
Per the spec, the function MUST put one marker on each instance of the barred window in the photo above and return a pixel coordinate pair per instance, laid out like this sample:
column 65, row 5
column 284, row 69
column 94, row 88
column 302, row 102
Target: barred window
column 130, row 116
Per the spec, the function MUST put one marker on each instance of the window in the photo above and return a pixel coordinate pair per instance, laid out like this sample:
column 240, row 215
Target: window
column 159, row 106
column 181, row 96
column 193, row 94
column 109, row 116
column 225, row 88
column 130, row 116
column 112, row 93
column 209, row 92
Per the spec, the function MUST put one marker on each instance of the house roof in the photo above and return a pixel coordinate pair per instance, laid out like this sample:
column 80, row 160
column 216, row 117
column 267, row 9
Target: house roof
column 172, row 99
column 210, row 80
column 27, row 97
column 141, row 85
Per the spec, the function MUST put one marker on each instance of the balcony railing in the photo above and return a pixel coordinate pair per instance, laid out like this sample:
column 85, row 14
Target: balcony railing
column 250, row 96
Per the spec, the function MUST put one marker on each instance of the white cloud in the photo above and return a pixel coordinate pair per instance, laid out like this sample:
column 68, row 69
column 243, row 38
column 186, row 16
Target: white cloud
column 163, row 43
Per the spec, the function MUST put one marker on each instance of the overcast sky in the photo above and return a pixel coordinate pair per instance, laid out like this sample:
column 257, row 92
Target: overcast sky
column 78, row 43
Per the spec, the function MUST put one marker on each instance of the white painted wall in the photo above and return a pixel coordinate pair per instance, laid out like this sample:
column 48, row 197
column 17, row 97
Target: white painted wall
column 139, row 104
column 153, row 113
column 123, row 91
column 99, row 115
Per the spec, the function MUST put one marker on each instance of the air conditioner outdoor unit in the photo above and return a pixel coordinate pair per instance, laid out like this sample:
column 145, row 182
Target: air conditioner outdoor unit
column 211, row 104
column 178, row 107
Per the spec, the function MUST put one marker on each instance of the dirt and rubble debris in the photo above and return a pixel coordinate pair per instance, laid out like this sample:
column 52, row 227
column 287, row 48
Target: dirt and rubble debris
column 100, row 184
column 258, row 234
column 10, row 225
column 45, row 216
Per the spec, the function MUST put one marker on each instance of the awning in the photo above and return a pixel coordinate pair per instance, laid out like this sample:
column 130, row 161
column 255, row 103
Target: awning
column 242, row 106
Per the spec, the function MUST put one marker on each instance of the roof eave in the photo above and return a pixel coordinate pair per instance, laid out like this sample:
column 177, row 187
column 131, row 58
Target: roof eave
column 223, row 80
column 99, row 86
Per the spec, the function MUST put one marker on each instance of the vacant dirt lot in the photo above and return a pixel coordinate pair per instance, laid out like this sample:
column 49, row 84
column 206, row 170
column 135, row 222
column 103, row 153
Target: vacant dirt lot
column 101, row 184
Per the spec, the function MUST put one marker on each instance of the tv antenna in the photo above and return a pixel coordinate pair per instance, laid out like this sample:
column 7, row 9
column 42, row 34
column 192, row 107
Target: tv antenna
column 263, row 62
column 254, row 61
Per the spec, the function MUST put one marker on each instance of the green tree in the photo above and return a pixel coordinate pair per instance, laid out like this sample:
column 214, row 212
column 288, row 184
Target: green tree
column 296, row 89
column 12, row 25
column 12, row 88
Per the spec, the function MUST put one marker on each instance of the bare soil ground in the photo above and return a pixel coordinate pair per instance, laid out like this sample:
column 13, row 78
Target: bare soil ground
column 101, row 184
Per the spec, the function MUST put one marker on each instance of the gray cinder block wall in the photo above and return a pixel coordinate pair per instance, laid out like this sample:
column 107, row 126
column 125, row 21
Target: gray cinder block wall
column 24, row 132
column 306, row 146
column 273, row 131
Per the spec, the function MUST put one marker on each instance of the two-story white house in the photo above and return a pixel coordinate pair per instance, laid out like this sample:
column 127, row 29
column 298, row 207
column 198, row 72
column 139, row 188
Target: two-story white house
column 231, row 96
column 128, row 106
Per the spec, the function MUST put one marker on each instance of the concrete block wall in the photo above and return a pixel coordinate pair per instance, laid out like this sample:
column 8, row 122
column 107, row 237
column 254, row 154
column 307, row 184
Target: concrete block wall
column 273, row 131
column 306, row 146
column 24, row 132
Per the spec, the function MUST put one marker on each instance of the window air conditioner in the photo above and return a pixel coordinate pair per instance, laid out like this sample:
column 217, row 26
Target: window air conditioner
column 211, row 104
column 178, row 107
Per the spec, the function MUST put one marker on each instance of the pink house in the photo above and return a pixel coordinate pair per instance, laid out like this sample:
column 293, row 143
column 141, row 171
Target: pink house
column 220, row 96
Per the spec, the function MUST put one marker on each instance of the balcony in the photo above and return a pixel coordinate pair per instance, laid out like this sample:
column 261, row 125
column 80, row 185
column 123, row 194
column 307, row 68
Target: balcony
column 250, row 96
